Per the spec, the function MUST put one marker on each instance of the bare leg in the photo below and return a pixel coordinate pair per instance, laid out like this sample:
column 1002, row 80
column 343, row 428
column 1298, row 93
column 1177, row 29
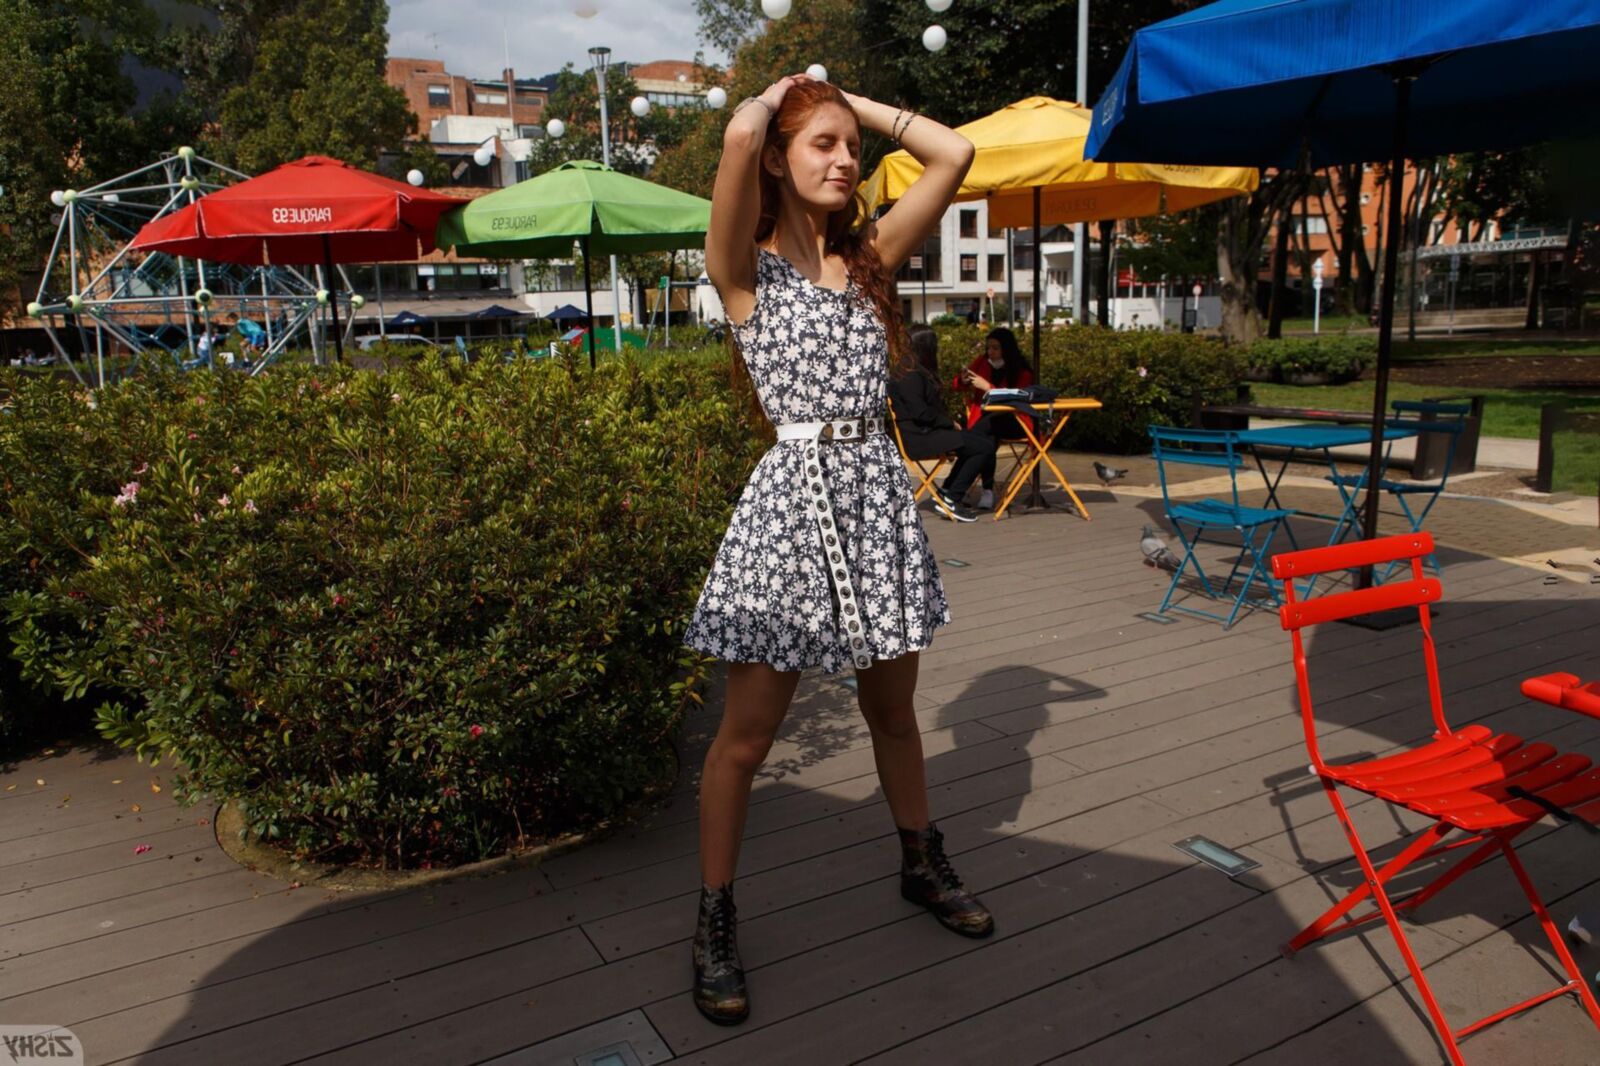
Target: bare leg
column 756, row 700
column 886, row 690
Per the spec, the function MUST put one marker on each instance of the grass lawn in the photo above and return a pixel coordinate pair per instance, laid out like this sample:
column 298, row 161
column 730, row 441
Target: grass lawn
column 1506, row 413
column 1461, row 346
column 1330, row 323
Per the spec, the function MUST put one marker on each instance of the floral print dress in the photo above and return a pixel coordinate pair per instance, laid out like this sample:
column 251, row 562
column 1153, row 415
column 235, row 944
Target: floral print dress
column 818, row 354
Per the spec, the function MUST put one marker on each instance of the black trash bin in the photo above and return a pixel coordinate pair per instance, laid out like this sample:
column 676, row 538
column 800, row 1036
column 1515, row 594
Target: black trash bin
column 1433, row 449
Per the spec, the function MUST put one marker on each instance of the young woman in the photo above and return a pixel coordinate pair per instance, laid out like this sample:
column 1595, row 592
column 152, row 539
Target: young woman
column 999, row 366
column 825, row 561
column 927, row 430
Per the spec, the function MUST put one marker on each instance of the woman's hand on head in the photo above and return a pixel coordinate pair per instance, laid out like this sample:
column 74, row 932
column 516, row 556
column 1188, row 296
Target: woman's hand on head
column 774, row 93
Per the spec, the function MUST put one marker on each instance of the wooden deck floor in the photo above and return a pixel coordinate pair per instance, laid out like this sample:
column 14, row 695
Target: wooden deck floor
column 1069, row 741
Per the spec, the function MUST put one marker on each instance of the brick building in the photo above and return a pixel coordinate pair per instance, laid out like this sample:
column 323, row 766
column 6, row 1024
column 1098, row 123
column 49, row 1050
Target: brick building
column 435, row 93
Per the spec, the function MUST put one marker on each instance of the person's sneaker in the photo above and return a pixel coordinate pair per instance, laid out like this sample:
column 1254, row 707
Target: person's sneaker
column 954, row 510
column 986, row 500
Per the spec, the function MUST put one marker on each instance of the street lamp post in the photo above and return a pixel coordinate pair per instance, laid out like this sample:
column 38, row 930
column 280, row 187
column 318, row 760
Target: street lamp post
column 1316, row 296
column 1080, row 232
column 601, row 59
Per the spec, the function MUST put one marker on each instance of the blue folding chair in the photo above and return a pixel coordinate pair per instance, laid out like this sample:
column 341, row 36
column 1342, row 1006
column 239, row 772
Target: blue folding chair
column 1426, row 416
column 1194, row 520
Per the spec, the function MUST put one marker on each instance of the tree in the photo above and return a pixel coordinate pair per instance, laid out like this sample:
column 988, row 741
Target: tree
column 1243, row 228
column 999, row 51
column 67, row 112
column 1180, row 246
column 317, row 87
column 1341, row 186
column 575, row 100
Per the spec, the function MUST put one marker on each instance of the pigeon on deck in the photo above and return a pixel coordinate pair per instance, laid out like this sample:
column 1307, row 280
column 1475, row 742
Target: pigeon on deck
column 1156, row 552
column 1108, row 474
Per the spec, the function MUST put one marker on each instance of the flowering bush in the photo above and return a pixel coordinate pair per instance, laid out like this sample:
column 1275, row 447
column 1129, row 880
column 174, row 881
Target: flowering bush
column 402, row 618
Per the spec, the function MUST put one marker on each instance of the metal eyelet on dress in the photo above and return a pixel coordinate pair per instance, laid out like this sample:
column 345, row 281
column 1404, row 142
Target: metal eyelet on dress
column 839, row 574
column 837, row 558
column 849, row 608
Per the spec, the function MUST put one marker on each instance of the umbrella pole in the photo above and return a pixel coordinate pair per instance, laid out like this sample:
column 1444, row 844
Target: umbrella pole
column 588, row 300
column 1391, row 258
column 1035, row 497
column 333, row 297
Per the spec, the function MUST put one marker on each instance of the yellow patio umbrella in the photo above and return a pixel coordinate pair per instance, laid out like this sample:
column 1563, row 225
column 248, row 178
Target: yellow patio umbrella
column 1029, row 167
column 1037, row 143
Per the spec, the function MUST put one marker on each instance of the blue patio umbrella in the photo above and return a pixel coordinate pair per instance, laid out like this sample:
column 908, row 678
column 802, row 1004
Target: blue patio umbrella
column 1316, row 82
column 567, row 313
column 407, row 319
column 498, row 311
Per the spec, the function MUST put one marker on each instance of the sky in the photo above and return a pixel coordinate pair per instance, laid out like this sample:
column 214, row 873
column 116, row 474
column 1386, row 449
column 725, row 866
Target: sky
column 471, row 36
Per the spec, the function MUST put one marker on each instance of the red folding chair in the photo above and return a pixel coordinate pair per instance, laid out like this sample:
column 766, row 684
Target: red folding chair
column 1468, row 780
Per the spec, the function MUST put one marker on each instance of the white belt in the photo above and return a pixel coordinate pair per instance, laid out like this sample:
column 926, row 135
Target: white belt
column 841, row 431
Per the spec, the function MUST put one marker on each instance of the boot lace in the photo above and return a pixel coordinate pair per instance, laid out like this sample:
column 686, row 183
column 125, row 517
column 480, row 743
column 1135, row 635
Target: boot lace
column 940, row 862
column 719, row 930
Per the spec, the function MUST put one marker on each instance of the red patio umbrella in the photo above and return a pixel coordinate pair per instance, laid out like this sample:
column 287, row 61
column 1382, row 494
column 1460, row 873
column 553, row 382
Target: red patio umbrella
column 314, row 210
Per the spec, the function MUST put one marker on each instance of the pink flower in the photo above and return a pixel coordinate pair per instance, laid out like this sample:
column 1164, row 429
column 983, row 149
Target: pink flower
column 338, row 600
column 194, row 436
column 141, row 468
column 236, row 471
column 223, row 500
column 130, row 493
column 449, row 792
column 250, row 506
column 1143, row 372
column 199, row 399
column 475, row 731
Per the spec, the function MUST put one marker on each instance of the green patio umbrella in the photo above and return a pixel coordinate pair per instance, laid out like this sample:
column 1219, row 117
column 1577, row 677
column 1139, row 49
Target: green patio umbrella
column 582, row 201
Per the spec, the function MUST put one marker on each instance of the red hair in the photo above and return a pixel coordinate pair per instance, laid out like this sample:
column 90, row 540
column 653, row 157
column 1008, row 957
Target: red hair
column 844, row 235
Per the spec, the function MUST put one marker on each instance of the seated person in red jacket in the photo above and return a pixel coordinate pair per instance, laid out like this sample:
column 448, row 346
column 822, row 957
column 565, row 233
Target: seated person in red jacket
column 926, row 428
column 1001, row 366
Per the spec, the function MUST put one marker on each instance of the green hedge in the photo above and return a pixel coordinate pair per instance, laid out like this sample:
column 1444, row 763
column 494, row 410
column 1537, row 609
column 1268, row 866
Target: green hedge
column 1338, row 356
column 405, row 618
column 1142, row 377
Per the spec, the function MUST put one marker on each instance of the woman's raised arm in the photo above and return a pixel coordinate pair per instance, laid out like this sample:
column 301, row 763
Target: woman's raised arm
column 945, row 156
column 736, row 201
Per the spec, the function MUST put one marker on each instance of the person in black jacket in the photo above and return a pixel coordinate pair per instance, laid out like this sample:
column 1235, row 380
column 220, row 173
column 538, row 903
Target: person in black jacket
column 927, row 429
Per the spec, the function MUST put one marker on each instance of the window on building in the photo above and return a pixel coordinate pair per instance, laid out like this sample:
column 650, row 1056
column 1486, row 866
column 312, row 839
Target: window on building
column 463, row 277
column 925, row 259
column 969, row 223
column 438, row 96
column 997, row 267
column 485, row 97
column 1308, row 223
column 969, row 268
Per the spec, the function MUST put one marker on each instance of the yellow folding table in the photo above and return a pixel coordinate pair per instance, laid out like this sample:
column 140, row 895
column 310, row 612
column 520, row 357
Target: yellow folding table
column 1058, row 412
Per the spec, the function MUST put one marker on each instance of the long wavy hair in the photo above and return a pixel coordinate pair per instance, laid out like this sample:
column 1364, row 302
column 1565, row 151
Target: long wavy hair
column 1015, row 365
column 845, row 233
